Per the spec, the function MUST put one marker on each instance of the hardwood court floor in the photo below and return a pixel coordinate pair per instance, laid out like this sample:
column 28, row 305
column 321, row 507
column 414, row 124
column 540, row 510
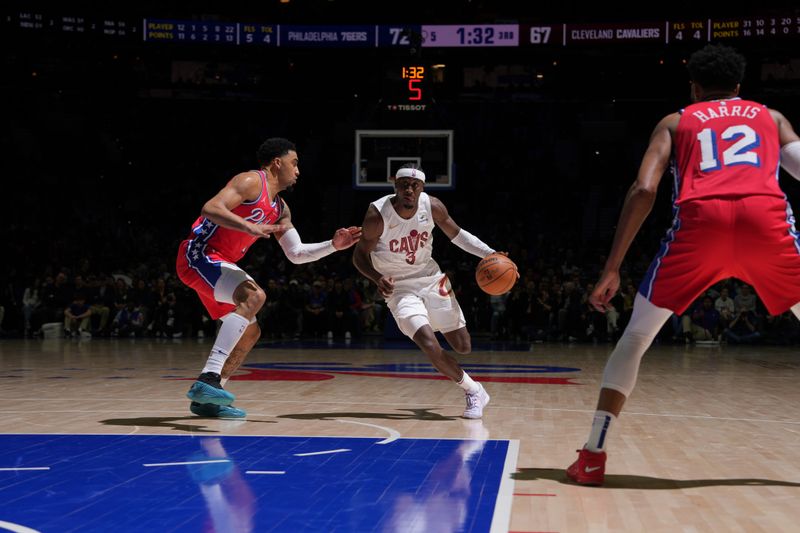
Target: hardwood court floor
column 709, row 440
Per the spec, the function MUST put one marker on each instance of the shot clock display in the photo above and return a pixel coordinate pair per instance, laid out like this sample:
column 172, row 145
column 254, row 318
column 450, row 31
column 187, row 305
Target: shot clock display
column 414, row 75
column 406, row 87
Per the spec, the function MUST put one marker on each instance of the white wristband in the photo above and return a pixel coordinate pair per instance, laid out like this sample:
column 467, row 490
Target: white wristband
column 470, row 243
column 298, row 253
column 790, row 159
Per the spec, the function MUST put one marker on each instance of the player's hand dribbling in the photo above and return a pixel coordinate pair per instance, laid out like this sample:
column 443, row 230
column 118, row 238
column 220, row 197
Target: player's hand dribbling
column 346, row 237
column 605, row 289
column 265, row 230
column 506, row 254
column 385, row 286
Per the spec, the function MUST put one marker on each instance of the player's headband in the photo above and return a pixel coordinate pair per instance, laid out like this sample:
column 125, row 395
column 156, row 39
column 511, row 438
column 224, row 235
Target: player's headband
column 410, row 173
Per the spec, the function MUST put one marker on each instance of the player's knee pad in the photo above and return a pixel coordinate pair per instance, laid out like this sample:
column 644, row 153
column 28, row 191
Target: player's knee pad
column 623, row 365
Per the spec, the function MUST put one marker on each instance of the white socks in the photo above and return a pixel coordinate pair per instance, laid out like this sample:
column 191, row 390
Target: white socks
column 600, row 427
column 468, row 384
column 232, row 329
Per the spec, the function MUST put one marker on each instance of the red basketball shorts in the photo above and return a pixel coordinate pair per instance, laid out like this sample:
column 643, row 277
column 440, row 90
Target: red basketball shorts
column 211, row 276
column 752, row 239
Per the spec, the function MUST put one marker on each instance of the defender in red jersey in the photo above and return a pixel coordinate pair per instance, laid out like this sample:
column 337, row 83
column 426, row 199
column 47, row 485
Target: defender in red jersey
column 731, row 219
column 247, row 208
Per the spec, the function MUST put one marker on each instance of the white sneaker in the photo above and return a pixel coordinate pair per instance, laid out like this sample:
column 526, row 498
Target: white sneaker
column 476, row 402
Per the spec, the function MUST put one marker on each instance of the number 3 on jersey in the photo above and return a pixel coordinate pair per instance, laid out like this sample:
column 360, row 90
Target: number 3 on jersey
column 739, row 153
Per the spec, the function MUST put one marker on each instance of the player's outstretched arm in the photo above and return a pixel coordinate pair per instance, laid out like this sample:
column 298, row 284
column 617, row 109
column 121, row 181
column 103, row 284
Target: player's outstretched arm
column 372, row 228
column 299, row 252
column 638, row 203
column 458, row 236
column 242, row 187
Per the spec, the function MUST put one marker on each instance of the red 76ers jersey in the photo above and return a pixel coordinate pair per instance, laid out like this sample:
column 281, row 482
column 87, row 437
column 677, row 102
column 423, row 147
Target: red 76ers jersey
column 208, row 237
column 726, row 149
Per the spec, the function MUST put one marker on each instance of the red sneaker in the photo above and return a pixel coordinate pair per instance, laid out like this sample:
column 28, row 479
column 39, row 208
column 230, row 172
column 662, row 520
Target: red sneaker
column 589, row 469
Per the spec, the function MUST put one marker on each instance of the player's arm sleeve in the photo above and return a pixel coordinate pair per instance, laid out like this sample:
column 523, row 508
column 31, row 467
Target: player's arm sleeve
column 470, row 243
column 790, row 159
column 297, row 252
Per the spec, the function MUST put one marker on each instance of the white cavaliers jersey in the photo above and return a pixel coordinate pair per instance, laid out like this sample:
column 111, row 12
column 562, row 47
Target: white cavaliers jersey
column 404, row 248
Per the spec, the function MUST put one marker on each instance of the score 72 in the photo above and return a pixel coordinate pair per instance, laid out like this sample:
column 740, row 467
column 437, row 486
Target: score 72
column 540, row 34
column 399, row 36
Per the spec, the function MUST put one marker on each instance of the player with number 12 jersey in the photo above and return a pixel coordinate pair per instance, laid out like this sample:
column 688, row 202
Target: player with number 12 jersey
column 725, row 169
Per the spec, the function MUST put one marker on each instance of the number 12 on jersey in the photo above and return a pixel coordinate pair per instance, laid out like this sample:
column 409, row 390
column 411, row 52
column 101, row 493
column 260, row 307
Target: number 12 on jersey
column 741, row 152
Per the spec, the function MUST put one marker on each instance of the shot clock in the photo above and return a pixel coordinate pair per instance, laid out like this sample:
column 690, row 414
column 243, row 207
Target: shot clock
column 406, row 87
column 414, row 75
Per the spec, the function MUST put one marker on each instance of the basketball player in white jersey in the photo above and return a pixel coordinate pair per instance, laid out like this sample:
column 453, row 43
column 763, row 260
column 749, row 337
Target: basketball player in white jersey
column 395, row 253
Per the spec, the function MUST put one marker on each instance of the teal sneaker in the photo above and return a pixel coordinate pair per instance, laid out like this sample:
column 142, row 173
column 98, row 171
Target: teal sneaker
column 209, row 410
column 202, row 392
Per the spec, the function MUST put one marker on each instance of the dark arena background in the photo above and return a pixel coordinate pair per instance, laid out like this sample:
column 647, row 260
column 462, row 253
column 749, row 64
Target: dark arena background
column 121, row 120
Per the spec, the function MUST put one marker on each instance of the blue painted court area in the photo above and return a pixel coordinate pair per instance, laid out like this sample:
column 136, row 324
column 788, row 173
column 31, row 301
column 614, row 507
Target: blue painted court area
column 240, row 484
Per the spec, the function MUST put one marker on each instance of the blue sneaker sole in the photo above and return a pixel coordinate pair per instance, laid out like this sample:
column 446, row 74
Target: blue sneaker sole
column 208, row 410
column 204, row 393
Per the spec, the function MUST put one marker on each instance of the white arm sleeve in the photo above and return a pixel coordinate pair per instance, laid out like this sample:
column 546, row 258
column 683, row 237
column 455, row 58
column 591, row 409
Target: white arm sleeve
column 790, row 159
column 470, row 243
column 298, row 253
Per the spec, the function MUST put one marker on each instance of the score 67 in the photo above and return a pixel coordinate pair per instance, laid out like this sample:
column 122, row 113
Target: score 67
column 540, row 34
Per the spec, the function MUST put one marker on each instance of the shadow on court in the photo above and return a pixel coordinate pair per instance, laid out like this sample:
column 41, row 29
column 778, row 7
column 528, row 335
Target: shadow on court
column 413, row 414
column 175, row 422
column 648, row 483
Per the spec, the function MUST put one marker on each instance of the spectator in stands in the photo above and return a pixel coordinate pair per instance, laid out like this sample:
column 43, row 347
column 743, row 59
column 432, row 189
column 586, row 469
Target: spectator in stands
column 745, row 300
column 725, row 306
column 702, row 322
column 31, row 300
column 743, row 329
column 77, row 315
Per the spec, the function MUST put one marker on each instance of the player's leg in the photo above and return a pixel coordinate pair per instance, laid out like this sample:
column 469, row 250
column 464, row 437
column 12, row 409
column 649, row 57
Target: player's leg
column 446, row 316
column 426, row 339
column 695, row 254
column 619, row 379
column 233, row 287
column 448, row 365
column 251, row 336
column 476, row 396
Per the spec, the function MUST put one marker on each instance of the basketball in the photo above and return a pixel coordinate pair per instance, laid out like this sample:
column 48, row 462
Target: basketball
column 496, row 274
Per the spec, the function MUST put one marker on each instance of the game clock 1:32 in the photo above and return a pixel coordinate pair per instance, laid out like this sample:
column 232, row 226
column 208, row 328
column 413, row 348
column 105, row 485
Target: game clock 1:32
column 414, row 75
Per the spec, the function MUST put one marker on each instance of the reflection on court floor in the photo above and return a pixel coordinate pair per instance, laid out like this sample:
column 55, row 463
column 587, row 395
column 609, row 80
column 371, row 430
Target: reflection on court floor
column 250, row 483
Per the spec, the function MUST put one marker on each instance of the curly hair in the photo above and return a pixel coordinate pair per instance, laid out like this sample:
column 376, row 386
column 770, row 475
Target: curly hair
column 272, row 148
column 717, row 66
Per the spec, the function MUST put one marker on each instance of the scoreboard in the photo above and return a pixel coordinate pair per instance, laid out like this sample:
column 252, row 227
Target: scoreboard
column 697, row 30
column 250, row 33
column 72, row 23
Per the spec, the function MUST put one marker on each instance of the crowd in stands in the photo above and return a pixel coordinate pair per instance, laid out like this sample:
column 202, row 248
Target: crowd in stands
column 329, row 299
column 117, row 162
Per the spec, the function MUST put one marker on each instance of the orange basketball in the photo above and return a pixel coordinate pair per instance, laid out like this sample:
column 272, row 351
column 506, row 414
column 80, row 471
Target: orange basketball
column 496, row 274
